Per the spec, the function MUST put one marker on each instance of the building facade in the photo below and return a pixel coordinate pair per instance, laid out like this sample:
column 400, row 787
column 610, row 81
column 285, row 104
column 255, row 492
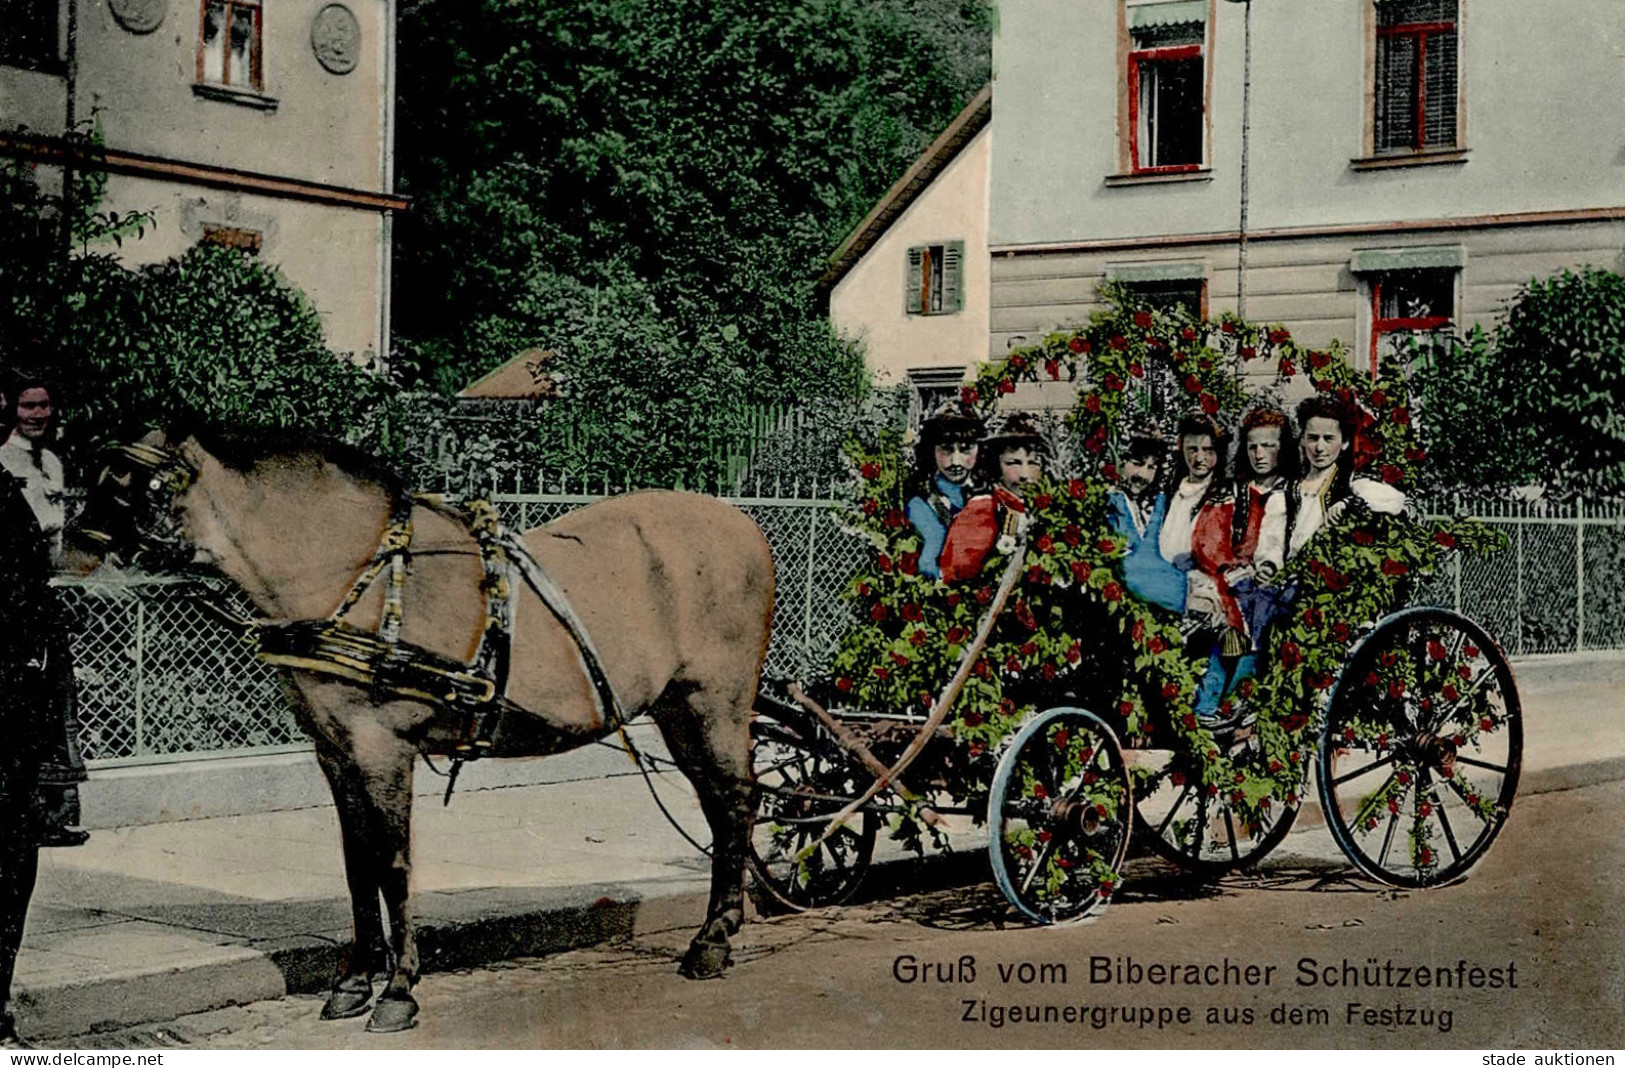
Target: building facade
column 265, row 126
column 1409, row 163
column 928, row 238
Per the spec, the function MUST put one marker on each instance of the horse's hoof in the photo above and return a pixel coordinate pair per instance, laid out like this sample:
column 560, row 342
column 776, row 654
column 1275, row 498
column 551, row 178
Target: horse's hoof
column 705, row 960
column 393, row 1014
column 350, row 997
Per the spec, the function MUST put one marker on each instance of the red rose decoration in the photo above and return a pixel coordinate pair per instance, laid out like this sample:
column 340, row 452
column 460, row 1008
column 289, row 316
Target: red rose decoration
column 1193, row 385
column 871, row 506
column 843, row 684
column 909, row 563
column 1279, row 337
column 1402, row 416
column 1061, row 737
column 884, row 564
column 1112, row 592
column 1156, row 644
column 1204, row 364
column 1189, row 333
column 1092, row 402
column 1396, row 688
column 1135, row 370
column 1363, row 537
column 1113, row 383
column 1072, row 535
column 1291, row 655
column 1042, row 501
column 1125, row 708
column 1018, row 361
column 1210, row 404
column 1142, row 319
column 969, row 395
column 864, row 589
column 899, row 659
column 955, row 635
column 1137, row 632
column 1340, row 631
column 1246, row 689
column 1319, row 359
column 1445, row 540
column 912, row 613
column 953, row 599
column 1077, row 344
column 1449, row 692
column 1119, row 342
column 1049, row 671
column 882, row 673
column 1248, row 352
column 1077, row 489
column 1436, row 649
column 1006, row 386
column 1074, row 653
column 870, row 471
column 1391, row 474
column 1394, row 567
column 984, row 595
column 1094, row 442
column 1037, row 576
column 1081, row 570
column 1030, row 649
column 969, row 719
column 1053, row 369
column 1012, row 665
column 1106, row 546
column 1227, row 327
column 1311, row 616
column 1379, row 399
column 896, row 519
column 1288, row 369
column 878, row 613
column 1188, row 719
column 1044, row 544
column 1470, row 651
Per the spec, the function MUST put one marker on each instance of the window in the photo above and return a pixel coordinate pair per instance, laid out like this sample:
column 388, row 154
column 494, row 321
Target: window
column 248, row 241
column 1416, row 85
column 1408, row 303
column 931, row 386
column 934, row 282
column 28, row 33
column 1187, row 293
column 229, row 51
column 1167, row 87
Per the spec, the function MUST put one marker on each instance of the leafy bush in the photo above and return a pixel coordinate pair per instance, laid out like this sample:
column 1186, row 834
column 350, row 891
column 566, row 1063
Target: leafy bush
column 1540, row 398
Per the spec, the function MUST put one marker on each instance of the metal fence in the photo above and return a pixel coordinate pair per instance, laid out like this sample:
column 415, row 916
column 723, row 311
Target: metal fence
column 161, row 679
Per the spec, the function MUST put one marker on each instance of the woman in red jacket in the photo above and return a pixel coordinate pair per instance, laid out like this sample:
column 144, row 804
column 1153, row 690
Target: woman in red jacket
column 1012, row 457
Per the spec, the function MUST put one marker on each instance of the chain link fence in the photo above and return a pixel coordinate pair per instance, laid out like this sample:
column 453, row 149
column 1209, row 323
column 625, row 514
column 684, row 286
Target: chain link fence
column 160, row 678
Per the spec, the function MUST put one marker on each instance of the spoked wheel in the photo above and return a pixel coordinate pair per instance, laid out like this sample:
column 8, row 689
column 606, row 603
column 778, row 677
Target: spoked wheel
column 1059, row 816
column 1423, row 746
column 801, row 781
column 1197, row 828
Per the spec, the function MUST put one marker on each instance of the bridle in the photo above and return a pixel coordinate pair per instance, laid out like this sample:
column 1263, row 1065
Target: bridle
column 140, row 484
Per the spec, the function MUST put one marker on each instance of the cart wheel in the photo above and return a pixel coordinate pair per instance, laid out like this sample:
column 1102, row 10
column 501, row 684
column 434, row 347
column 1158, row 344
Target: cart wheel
column 1201, row 832
column 801, row 781
column 1058, row 816
column 1423, row 745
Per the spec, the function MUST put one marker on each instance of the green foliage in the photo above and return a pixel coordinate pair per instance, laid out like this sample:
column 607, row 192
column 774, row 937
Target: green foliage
column 1071, row 625
column 211, row 338
column 709, row 152
column 1540, row 399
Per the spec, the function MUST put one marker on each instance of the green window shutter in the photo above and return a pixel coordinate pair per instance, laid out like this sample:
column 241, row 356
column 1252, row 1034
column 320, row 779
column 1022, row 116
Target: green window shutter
column 953, row 276
column 911, row 281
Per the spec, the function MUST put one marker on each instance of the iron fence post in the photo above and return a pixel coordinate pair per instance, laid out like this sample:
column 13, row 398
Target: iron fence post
column 807, row 593
column 1579, row 576
column 1518, row 593
column 140, row 675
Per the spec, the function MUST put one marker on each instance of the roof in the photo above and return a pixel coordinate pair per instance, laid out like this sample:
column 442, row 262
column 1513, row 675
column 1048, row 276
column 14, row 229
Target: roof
column 521, row 378
column 907, row 189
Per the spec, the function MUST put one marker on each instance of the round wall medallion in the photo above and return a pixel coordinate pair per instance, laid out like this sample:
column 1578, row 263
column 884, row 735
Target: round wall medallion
column 335, row 37
column 139, row 16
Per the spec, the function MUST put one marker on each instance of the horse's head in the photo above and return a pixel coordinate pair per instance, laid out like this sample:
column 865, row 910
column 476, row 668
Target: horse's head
column 133, row 510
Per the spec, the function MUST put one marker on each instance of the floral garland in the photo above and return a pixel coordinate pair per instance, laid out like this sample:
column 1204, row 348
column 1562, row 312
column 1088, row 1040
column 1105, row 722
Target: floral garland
column 1072, row 605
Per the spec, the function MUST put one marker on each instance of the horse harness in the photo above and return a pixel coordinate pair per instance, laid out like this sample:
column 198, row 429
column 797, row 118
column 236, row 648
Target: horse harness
column 392, row 669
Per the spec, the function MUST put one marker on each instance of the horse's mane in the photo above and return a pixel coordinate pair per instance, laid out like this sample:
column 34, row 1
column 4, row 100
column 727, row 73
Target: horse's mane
column 246, row 450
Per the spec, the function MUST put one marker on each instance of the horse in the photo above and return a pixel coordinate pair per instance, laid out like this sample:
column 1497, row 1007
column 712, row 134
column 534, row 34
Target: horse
column 675, row 590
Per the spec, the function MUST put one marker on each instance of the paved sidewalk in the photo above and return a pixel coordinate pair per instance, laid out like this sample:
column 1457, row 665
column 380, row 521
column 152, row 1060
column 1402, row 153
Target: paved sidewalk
column 150, row 922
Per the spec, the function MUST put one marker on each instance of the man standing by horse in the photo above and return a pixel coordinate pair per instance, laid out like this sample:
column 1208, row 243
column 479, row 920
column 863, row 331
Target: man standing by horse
column 27, row 723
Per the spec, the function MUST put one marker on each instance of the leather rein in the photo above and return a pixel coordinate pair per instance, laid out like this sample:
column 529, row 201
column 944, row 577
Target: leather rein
column 377, row 659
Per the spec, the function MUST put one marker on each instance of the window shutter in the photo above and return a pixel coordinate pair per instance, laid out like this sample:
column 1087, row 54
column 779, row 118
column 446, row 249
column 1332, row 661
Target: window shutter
column 953, row 276
column 1441, row 90
column 911, row 281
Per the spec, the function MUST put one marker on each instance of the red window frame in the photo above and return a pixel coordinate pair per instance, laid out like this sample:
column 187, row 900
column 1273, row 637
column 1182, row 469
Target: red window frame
column 1153, row 55
column 1381, row 327
column 256, row 76
column 1421, row 31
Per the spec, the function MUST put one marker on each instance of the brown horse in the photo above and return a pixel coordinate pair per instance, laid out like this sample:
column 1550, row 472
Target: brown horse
column 674, row 589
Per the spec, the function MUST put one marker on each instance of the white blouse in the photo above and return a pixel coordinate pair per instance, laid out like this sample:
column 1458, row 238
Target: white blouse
column 1378, row 496
column 1180, row 523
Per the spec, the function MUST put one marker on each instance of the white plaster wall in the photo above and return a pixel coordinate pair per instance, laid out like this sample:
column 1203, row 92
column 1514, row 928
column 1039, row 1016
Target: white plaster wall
column 868, row 303
column 333, row 254
column 1539, row 94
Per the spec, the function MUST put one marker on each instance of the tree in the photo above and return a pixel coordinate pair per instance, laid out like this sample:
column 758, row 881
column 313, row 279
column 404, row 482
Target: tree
column 1542, row 397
